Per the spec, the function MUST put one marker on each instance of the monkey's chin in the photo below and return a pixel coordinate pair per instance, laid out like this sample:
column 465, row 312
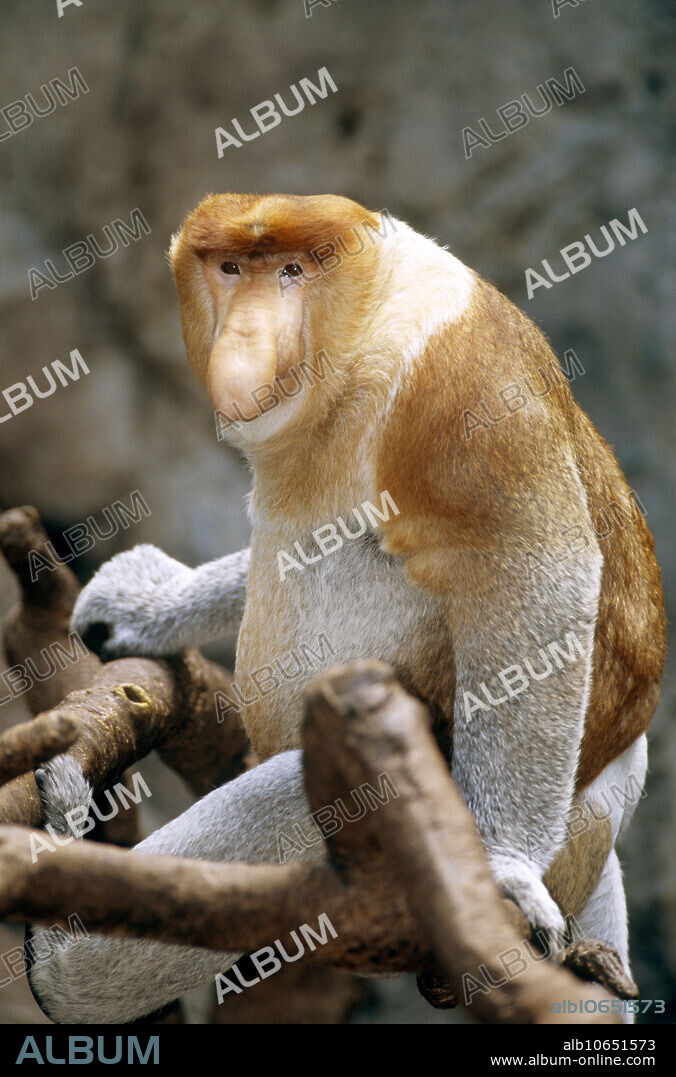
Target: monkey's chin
column 268, row 419
column 243, row 408
column 272, row 422
column 231, row 413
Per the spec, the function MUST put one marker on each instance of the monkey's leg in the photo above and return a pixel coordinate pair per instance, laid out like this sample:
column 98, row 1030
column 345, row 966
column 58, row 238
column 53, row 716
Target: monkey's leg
column 99, row 979
column 613, row 796
column 143, row 602
column 515, row 745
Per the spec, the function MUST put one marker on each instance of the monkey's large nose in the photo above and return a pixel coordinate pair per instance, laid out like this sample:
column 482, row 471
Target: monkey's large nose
column 243, row 360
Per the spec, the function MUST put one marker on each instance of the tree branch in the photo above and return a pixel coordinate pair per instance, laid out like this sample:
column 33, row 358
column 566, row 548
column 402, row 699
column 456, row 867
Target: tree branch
column 406, row 886
column 125, row 708
column 24, row 746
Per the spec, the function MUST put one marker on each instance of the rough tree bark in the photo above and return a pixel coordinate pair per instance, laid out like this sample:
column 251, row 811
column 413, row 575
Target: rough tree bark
column 126, row 707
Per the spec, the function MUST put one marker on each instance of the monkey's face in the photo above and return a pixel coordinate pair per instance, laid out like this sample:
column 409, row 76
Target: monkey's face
column 257, row 333
column 257, row 300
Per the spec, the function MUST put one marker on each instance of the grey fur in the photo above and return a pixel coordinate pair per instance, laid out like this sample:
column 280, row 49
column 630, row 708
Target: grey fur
column 154, row 605
column 110, row 980
column 62, row 787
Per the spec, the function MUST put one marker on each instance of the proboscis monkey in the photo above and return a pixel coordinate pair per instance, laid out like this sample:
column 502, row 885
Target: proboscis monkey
column 533, row 632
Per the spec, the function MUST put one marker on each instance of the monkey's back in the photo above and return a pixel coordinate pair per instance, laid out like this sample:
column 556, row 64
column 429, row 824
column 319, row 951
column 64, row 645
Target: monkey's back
column 468, row 482
column 629, row 643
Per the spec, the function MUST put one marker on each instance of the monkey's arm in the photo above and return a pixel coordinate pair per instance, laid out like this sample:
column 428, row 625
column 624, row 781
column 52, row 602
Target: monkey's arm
column 144, row 602
column 523, row 654
column 473, row 520
column 108, row 980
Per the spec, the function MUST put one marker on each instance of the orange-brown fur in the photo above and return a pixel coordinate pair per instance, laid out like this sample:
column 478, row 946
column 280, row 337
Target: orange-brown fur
column 572, row 877
column 473, row 492
column 252, row 225
column 461, row 500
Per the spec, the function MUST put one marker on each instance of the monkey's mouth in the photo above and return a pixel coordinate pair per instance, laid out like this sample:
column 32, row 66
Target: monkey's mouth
column 268, row 397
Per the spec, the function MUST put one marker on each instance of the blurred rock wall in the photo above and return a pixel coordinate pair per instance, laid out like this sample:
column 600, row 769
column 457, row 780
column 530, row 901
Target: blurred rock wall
column 161, row 75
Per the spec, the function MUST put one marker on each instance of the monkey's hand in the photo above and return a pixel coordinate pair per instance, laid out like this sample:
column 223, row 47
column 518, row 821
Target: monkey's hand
column 520, row 881
column 145, row 603
column 129, row 605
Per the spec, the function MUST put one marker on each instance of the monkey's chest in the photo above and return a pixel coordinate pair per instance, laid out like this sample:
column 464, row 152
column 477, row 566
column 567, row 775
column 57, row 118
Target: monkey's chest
column 352, row 603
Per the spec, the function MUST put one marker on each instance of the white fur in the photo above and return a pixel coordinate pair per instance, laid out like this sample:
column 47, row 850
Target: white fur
column 426, row 288
column 336, row 597
column 618, row 788
column 154, row 605
column 605, row 916
column 109, row 980
column 614, row 795
column 62, row 787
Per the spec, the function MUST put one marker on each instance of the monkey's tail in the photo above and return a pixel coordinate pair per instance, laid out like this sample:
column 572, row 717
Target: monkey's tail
column 63, row 788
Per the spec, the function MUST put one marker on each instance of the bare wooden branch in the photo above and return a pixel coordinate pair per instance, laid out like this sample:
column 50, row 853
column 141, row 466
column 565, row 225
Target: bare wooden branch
column 40, row 619
column 426, row 830
column 126, row 707
column 23, row 747
column 300, row 993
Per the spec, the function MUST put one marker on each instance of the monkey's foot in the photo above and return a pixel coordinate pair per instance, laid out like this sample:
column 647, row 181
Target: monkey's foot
column 593, row 960
column 437, row 991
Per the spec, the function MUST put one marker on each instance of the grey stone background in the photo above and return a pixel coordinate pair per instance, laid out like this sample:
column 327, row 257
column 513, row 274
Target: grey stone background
column 162, row 74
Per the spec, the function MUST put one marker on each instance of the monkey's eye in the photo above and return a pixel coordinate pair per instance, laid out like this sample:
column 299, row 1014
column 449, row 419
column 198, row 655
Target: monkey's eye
column 293, row 269
column 229, row 267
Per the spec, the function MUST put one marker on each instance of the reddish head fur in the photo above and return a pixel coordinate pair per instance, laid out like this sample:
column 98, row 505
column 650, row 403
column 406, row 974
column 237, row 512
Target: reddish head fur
column 248, row 225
